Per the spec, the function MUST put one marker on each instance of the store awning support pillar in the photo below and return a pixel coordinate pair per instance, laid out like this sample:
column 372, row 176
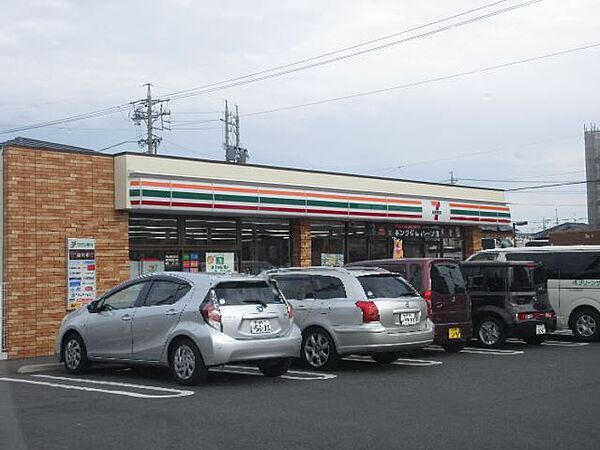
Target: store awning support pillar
column 301, row 243
column 472, row 236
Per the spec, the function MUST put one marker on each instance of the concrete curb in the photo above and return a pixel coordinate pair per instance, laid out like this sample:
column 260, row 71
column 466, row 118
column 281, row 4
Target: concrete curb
column 33, row 368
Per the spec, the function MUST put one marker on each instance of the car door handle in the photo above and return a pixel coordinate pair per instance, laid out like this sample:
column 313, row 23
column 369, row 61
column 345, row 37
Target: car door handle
column 172, row 312
column 439, row 305
column 126, row 318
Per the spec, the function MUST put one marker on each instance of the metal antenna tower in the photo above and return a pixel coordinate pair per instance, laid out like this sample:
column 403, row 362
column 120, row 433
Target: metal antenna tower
column 155, row 114
column 233, row 153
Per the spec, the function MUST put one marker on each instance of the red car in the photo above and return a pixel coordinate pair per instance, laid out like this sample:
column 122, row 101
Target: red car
column 442, row 284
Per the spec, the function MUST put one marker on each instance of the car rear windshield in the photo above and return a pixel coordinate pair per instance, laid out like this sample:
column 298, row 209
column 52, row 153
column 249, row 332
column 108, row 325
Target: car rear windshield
column 385, row 286
column 447, row 278
column 245, row 292
column 527, row 278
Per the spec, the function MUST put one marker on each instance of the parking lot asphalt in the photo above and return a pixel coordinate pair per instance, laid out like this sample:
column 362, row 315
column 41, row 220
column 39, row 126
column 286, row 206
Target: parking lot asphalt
column 524, row 397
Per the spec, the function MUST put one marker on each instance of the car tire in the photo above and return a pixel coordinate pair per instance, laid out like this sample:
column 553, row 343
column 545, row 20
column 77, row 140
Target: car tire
column 385, row 357
column 186, row 363
column 275, row 369
column 74, row 354
column 453, row 347
column 491, row 332
column 534, row 340
column 585, row 325
column 318, row 350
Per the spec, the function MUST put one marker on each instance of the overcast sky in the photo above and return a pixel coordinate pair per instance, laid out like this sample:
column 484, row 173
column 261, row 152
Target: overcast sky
column 61, row 58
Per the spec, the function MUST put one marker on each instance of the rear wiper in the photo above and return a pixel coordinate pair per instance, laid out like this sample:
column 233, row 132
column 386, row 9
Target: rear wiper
column 409, row 294
column 255, row 302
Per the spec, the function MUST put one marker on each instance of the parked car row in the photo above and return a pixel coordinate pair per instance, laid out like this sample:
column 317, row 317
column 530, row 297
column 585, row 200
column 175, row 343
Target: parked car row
column 193, row 321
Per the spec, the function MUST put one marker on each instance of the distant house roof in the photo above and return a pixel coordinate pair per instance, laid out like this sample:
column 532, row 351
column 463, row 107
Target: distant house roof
column 563, row 227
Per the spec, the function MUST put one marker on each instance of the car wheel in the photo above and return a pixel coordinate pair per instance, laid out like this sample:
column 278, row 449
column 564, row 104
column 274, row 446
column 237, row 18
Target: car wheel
column 75, row 354
column 385, row 358
column 275, row 369
column 586, row 325
column 318, row 350
column 491, row 332
column 453, row 347
column 186, row 363
column 534, row 340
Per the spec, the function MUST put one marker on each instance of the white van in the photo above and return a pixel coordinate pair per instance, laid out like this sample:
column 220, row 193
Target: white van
column 573, row 282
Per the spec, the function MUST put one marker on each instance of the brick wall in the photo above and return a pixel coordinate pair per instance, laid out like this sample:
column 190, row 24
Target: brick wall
column 50, row 196
column 301, row 243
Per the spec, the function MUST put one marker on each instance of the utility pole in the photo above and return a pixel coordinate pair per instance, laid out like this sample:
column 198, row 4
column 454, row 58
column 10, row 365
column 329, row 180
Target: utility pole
column 452, row 179
column 233, row 153
column 149, row 111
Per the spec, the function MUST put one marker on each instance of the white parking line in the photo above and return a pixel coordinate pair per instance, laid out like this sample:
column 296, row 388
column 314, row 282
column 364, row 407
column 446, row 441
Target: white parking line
column 551, row 343
column 289, row 375
column 491, row 351
column 169, row 393
column 479, row 351
column 398, row 362
column 565, row 343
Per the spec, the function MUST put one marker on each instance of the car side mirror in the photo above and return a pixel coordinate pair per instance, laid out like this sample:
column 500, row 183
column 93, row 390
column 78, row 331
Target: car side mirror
column 95, row 306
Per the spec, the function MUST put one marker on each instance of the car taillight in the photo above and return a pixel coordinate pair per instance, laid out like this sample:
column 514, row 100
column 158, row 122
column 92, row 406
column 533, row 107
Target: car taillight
column 428, row 297
column 290, row 309
column 369, row 310
column 535, row 315
column 212, row 313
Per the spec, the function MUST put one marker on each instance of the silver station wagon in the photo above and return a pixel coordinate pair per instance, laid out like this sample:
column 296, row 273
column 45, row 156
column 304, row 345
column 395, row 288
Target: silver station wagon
column 343, row 311
column 186, row 321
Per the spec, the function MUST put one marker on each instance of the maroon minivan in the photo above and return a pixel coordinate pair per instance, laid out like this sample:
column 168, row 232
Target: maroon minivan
column 442, row 284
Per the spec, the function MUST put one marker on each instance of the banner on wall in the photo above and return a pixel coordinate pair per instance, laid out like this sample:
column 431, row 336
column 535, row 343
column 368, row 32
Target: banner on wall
column 81, row 272
column 220, row 262
column 398, row 249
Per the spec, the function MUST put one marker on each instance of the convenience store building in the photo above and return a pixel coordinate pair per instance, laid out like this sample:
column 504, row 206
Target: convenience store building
column 76, row 222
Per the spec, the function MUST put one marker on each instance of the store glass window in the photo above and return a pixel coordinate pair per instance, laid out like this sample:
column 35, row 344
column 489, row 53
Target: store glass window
column 357, row 241
column 265, row 244
column 217, row 232
column 153, row 230
column 327, row 243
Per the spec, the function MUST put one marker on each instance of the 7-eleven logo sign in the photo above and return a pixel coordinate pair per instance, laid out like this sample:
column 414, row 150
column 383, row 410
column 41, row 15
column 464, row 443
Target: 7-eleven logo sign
column 436, row 209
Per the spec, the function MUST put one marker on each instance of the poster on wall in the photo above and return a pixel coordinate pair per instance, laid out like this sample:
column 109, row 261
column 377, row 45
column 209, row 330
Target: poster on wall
column 220, row 262
column 398, row 249
column 152, row 265
column 81, row 272
column 332, row 259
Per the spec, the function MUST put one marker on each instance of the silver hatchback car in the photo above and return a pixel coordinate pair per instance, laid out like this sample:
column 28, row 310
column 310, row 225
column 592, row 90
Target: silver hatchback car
column 343, row 311
column 187, row 321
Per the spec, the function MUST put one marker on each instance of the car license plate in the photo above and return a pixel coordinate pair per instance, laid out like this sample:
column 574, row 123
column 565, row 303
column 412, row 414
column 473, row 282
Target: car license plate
column 540, row 329
column 454, row 333
column 409, row 318
column 260, row 326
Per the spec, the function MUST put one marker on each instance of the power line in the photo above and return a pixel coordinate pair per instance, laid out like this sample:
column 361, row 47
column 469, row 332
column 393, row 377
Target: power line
column 341, row 50
column 424, row 82
column 117, row 145
column 543, row 186
column 246, row 79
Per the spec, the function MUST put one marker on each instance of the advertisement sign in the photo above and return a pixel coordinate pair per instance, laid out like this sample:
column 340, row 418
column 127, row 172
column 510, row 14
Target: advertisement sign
column 398, row 249
column 81, row 272
column 220, row 262
column 332, row 259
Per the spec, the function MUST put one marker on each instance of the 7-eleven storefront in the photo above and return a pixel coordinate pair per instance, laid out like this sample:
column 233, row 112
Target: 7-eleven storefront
column 76, row 222
column 185, row 213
